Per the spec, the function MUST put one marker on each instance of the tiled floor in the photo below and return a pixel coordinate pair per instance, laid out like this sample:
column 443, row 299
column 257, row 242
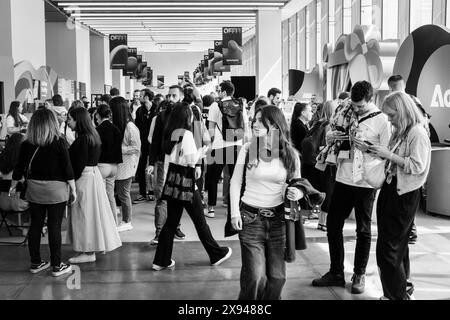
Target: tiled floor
column 126, row 273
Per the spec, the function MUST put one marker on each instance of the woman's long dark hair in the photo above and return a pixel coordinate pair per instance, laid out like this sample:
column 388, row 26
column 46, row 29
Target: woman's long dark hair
column 121, row 114
column 84, row 126
column 274, row 116
column 10, row 155
column 179, row 119
column 14, row 112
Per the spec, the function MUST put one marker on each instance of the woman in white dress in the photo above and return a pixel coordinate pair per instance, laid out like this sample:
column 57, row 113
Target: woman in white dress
column 92, row 226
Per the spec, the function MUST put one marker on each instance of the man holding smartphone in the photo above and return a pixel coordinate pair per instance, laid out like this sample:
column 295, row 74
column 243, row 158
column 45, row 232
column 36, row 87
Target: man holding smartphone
column 351, row 191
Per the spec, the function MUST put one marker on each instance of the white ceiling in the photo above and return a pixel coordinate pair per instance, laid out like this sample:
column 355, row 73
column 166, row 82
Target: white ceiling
column 169, row 25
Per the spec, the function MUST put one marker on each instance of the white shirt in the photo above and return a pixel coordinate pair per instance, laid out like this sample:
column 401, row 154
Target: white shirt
column 215, row 115
column 376, row 130
column 265, row 184
column 131, row 147
column 10, row 123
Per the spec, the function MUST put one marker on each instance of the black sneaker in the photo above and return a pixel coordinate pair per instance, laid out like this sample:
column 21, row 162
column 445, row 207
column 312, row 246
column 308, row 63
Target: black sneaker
column 409, row 287
column 63, row 268
column 179, row 235
column 358, row 283
column 412, row 236
column 329, row 280
column 140, row 199
column 38, row 267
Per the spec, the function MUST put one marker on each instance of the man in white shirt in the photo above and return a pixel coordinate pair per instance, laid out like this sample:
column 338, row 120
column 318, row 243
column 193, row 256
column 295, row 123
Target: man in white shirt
column 351, row 191
column 224, row 153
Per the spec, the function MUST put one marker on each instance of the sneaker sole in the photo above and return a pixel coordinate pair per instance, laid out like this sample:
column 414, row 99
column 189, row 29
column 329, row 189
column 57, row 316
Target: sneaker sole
column 57, row 274
column 158, row 268
column 78, row 262
column 34, row 271
column 227, row 256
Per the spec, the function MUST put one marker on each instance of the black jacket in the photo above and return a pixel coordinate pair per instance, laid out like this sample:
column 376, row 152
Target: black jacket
column 143, row 122
column 156, row 151
column 111, row 143
column 298, row 132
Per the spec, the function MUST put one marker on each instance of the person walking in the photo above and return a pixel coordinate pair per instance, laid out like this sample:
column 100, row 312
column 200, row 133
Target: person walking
column 45, row 164
column 408, row 156
column 180, row 190
column 266, row 163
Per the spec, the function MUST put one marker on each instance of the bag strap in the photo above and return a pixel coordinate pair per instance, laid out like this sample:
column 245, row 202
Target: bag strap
column 29, row 164
column 373, row 114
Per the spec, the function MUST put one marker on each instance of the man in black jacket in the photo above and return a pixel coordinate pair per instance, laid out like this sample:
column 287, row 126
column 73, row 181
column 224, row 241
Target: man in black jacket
column 144, row 116
column 156, row 163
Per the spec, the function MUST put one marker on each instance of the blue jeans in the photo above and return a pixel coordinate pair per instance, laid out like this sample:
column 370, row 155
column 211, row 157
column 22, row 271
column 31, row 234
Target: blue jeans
column 263, row 242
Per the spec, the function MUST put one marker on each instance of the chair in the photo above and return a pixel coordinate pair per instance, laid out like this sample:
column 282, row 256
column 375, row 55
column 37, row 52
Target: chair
column 4, row 215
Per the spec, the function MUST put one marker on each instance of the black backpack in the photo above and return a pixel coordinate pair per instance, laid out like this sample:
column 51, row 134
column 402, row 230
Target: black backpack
column 232, row 119
column 312, row 142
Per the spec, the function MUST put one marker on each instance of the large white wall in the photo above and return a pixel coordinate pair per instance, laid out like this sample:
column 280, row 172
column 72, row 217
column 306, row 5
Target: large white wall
column 83, row 58
column 61, row 49
column 6, row 61
column 171, row 64
column 28, row 31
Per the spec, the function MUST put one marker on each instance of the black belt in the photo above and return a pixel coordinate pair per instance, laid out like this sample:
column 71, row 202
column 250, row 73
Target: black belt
column 265, row 212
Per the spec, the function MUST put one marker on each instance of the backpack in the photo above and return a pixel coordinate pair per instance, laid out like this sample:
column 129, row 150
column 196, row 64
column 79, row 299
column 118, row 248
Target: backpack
column 312, row 142
column 232, row 120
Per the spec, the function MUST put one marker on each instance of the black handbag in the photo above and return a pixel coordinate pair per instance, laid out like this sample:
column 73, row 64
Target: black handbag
column 22, row 185
column 180, row 183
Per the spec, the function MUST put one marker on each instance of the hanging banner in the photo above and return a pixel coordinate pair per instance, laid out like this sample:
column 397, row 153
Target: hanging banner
column 206, row 64
column 232, row 45
column 217, row 63
column 118, row 50
column 160, row 82
column 132, row 61
column 186, row 74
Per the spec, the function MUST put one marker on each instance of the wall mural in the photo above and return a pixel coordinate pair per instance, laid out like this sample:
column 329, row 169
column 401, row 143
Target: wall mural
column 423, row 61
column 41, row 84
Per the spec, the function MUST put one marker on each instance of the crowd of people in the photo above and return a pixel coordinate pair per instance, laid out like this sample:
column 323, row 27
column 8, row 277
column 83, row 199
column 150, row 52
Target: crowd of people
column 178, row 148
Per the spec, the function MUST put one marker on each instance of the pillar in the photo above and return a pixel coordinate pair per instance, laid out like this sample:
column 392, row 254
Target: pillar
column 268, row 53
column 439, row 7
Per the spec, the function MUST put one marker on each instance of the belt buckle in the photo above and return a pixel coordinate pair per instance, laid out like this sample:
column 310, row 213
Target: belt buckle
column 266, row 213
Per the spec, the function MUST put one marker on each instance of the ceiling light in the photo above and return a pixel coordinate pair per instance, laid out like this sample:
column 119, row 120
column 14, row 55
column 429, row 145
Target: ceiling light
column 174, row 4
column 159, row 14
column 210, row 8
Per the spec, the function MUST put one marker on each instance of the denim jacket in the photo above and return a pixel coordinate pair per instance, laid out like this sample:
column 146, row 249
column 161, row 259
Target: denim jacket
column 416, row 150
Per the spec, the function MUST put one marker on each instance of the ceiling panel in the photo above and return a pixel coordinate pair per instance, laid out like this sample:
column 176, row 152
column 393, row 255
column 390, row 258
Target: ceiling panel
column 151, row 23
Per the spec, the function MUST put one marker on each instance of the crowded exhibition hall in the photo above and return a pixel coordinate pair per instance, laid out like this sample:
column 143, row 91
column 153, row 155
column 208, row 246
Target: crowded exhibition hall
column 203, row 151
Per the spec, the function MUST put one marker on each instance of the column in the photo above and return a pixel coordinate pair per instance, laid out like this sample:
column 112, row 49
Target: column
column 293, row 42
column 312, row 35
column 302, row 38
column 439, row 11
column 356, row 13
column 403, row 19
column 6, row 60
column 100, row 69
column 268, row 54
column 339, row 18
column 377, row 13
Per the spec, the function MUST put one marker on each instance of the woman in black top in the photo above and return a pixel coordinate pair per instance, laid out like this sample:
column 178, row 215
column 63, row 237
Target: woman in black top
column 299, row 129
column 45, row 163
column 92, row 226
column 111, row 153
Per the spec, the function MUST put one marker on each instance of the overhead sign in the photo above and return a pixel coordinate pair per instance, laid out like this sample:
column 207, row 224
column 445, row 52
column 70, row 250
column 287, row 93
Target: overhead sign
column 118, row 49
column 132, row 64
column 232, row 45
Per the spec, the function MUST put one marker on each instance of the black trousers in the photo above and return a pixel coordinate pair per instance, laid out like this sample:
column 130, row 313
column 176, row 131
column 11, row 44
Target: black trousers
column 54, row 214
column 395, row 217
column 195, row 210
column 140, row 171
column 220, row 159
column 343, row 200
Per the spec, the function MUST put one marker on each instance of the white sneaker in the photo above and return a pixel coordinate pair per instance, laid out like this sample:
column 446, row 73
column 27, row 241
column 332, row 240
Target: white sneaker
column 83, row 258
column 209, row 212
column 62, row 269
column 159, row 268
column 124, row 226
column 224, row 258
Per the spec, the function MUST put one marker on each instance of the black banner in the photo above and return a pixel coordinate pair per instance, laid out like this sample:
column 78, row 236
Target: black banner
column 118, row 51
column 217, row 63
column 232, row 45
column 132, row 64
column 160, row 82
